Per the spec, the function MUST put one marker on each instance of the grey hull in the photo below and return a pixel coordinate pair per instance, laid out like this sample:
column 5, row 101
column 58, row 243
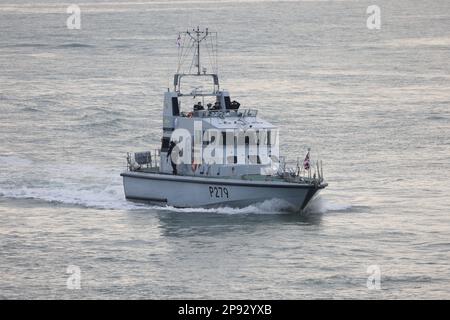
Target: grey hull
column 188, row 191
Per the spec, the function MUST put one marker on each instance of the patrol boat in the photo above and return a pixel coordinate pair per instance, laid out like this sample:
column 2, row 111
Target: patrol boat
column 214, row 153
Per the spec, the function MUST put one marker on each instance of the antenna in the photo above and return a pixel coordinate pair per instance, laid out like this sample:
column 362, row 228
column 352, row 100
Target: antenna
column 197, row 36
column 193, row 46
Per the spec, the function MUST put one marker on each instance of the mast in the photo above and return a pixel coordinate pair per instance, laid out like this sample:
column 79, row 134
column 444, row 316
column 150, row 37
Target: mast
column 190, row 44
column 198, row 36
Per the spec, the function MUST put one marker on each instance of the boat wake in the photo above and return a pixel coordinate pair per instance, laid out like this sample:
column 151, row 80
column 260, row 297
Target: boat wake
column 95, row 187
column 273, row 206
column 323, row 205
column 320, row 205
column 109, row 198
column 90, row 186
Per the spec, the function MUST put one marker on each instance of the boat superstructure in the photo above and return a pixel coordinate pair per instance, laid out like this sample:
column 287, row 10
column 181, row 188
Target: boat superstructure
column 213, row 152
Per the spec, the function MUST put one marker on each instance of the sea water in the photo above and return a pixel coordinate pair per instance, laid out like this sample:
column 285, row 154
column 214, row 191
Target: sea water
column 372, row 103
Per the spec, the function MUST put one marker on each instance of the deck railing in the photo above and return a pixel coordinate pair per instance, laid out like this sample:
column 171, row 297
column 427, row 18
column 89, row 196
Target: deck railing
column 289, row 171
column 295, row 171
column 221, row 113
column 146, row 159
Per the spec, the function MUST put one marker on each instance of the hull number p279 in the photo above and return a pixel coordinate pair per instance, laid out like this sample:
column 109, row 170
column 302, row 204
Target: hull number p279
column 218, row 192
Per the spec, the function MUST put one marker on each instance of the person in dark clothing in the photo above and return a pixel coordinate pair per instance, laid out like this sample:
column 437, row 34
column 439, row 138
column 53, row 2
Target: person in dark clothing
column 169, row 156
column 198, row 106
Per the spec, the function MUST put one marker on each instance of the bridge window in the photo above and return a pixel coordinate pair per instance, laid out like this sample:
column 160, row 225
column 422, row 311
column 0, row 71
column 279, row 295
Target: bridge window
column 165, row 144
column 227, row 102
column 175, row 107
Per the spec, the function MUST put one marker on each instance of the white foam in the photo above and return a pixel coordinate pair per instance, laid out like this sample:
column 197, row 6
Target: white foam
column 109, row 198
column 97, row 187
column 85, row 185
column 322, row 205
column 101, row 187
column 272, row 206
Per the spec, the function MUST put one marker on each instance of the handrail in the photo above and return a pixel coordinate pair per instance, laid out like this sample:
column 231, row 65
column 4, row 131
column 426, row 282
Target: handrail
column 146, row 159
column 297, row 172
column 222, row 113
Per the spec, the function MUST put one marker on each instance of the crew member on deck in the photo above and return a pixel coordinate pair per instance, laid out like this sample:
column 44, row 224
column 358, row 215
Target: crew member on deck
column 169, row 155
column 198, row 106
column 235, row 105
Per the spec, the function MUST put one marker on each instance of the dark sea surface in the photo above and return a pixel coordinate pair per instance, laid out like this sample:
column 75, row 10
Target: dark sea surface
column 374, row 105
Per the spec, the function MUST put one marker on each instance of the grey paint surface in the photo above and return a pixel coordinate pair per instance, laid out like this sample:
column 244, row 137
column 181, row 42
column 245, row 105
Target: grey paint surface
column 179, row 191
